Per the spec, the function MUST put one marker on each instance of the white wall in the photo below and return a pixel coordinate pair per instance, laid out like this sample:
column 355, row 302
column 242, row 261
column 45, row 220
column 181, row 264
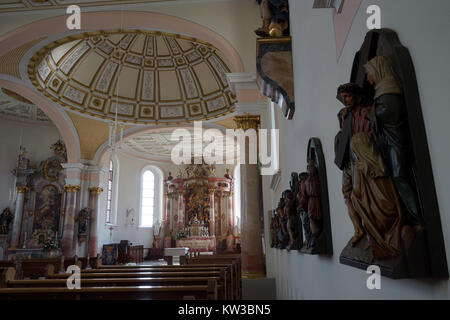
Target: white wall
column 37, row 140
column 423, row 27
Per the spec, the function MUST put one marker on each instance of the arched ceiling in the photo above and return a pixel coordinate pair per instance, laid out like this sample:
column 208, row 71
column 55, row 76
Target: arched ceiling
column 149, row 77
column 15, row 107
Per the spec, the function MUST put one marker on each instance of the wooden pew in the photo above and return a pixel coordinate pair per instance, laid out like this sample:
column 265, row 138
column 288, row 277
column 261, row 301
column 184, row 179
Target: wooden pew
column 202, row 292
column 220, row 258
column 84, row 263
column 232, row 268
column 31, row 268
column 223, row 293
column 222, row 272
column 7, row 274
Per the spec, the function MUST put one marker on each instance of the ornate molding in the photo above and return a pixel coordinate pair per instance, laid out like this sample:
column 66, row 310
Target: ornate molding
column 276, row 72
column 22, row 189
column 72, row 188
column 95, row 190
column 247, row 121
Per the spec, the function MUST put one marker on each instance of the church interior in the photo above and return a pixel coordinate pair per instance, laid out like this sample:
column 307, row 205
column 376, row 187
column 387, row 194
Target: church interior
column 224, row 149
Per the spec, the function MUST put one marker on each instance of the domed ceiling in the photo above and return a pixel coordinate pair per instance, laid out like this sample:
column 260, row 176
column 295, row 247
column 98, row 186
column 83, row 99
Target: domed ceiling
column 147, row 77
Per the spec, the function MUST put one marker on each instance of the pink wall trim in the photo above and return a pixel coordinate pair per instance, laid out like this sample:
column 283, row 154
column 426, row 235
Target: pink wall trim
column 64, row 126
column 343, row 23
column 126, row 20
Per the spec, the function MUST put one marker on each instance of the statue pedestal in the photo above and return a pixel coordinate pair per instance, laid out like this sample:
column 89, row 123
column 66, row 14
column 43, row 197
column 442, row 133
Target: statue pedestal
column 202, row 244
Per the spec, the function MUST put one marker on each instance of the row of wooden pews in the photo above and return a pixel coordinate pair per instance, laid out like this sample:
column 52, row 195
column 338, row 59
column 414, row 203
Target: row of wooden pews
column 36, row 268
column 195, row 258
column 206, row 280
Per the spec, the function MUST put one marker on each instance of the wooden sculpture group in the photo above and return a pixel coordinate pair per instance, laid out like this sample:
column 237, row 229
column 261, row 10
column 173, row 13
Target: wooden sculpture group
column 382, row 151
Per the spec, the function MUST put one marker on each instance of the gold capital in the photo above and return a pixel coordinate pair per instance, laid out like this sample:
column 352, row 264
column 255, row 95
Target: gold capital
column 247, row 121
column 211, row 191
column 22, row 189
column 95, row 190
column 71, row 188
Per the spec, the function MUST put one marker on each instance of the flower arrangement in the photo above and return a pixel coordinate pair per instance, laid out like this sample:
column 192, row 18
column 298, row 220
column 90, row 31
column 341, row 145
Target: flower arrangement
column 50, row 245
column 125, row 258
column 181, row 234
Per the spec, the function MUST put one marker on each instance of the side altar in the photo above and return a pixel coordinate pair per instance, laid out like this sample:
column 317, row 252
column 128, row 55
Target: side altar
column 199, row 210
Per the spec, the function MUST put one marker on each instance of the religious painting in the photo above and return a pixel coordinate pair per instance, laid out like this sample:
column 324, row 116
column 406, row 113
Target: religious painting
column 46, row 213
column 312, row 203
column 110, row 254
column 51, row 170
column 197, row 204
column 387, row 179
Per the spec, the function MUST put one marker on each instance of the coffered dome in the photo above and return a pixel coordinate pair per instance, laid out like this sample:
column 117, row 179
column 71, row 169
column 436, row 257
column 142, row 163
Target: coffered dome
column 150, row 77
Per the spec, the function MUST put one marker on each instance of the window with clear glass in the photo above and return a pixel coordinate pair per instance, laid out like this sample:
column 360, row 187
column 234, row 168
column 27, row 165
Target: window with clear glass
column 109, row 194
column 147, row 199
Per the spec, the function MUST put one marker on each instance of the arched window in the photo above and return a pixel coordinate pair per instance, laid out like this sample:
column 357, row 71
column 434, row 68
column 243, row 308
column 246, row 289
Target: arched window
column 110, row 192
column 151, row 200
column 112, row 189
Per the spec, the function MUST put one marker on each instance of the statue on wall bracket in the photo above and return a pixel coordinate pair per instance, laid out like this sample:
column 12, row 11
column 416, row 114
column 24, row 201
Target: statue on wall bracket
column 312, row 203
column 83, row 224
column 275, row 18
column 387, row 176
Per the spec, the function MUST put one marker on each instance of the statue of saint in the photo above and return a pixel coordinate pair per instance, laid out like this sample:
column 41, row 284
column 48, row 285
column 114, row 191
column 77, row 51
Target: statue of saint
column 368, row 188
column 283, row 220
column 5, row 219
column 353, row 118
column 83, row 218
column 312, row 190
column 390, row 129
column 275, row 16
column 302, row 209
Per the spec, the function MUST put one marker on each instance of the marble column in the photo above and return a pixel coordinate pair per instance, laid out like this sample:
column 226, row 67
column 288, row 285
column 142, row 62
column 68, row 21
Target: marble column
column 180, row 206
column 230, row 212
column 69, row 221
column 219, row 213
column 94, row 193
column 253, row 262
column 212, row 218
column 167, row 211
column 17, row 222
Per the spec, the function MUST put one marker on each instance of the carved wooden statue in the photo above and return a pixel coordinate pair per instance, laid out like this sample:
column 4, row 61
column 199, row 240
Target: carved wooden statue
column 302, row 209
column 387, row 177
column 83, row 224
column 313, row 202
column 5, row 219
column 283, row 233
column 290, row 211
column 273, row 230
column 275, row 16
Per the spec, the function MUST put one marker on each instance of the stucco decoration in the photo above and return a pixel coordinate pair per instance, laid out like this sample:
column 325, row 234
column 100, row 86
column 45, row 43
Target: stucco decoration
column 15, row 107
column 147, row 77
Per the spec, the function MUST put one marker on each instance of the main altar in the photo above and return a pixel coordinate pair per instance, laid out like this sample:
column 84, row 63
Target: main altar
column 199, row 210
